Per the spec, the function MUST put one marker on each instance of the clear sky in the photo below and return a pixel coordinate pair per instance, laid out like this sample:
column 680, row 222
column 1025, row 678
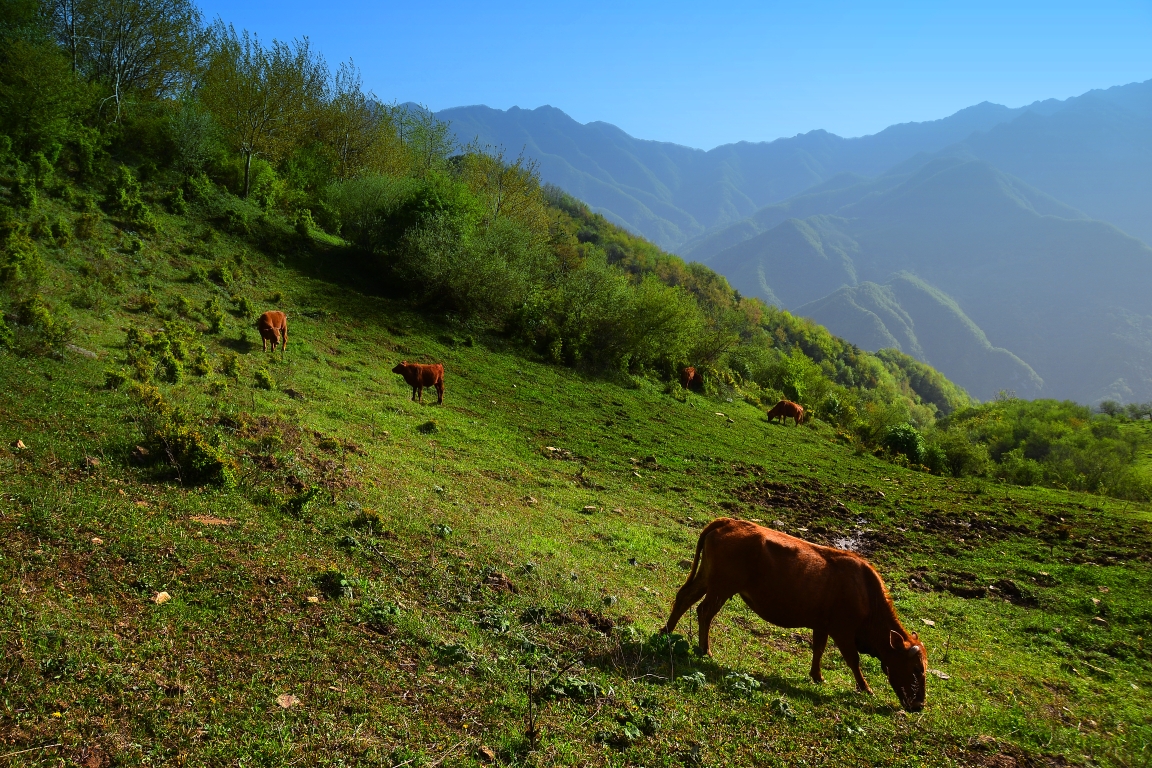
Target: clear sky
column 708, row 73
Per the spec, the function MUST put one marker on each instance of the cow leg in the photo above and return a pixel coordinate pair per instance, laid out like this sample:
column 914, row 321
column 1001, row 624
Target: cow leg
column 439, row 393
column 283, row 341
column 847, row 646
column 819, row 643
column 705, row 613
column 413, row 394
column 420, row 394
column 263, row 343
column 685, row 599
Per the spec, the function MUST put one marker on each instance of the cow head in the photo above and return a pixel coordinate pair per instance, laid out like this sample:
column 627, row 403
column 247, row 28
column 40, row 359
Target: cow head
column 906, row 665
column 400, row 368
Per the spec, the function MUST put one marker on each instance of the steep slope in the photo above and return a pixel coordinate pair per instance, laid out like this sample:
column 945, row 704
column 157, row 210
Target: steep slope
column 1061, row 292
column 670, row 193
column 909, row 315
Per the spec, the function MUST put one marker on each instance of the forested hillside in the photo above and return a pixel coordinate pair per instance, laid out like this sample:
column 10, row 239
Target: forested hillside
column 1010, row 288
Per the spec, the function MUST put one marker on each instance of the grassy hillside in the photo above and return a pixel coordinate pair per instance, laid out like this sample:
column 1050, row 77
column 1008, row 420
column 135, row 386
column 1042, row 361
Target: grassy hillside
column 382, row 582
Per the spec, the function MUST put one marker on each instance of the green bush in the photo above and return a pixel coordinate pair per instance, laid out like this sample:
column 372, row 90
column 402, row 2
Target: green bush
column 196, row 457
column 264, row 379
column 904, row 440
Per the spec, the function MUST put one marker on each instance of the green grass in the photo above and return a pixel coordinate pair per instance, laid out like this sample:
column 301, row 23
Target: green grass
column 538, row 525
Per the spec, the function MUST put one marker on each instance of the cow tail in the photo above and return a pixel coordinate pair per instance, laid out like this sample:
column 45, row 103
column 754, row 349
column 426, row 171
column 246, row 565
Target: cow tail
column 696, row 559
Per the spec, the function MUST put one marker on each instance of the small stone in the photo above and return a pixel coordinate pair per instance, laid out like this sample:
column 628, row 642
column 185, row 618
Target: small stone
column 530, row 500
column 731, row 421
column 161, row 598
column 685, row 564
column 486, row 754
column 91, row 462
column 1105, row 590
column 618, row 511
column 97, row 540
column 637, row 475
column 939, row 674
column 588, row 510
column 19, row 445
column 1095, row 601
column 929, row 622
column 778, row 523
column 313, row 599
column 1099, row 620
column 287, row 701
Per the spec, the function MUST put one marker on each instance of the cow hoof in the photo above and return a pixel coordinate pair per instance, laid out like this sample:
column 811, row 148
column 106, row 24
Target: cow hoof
column 818, row 679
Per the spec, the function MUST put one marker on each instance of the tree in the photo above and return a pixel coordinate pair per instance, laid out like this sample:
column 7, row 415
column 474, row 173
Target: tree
column 264, row 99
column 152, row 47
column 428, row 138
column 509, row 190
column 359, row 131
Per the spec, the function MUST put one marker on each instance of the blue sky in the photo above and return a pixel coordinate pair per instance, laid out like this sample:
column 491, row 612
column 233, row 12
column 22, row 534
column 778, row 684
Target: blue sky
column 704, row 74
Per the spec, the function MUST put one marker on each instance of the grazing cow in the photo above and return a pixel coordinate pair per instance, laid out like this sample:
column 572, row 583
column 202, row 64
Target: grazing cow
column 273, row 327
column 792, row 583
column 419, row 376
column 786, row 409
column 690, row 378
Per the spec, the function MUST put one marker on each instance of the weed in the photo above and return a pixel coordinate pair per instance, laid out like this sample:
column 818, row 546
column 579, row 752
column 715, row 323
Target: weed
column 230, row 365
column 427, row 428
column 334, row 584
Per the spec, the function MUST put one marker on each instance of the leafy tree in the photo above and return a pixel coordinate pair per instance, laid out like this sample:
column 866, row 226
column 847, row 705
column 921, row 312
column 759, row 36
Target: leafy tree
column 150, row 47
column 265, row 100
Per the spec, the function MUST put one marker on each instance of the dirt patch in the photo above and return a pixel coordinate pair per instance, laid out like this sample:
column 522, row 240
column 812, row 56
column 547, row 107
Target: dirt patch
column 584, row 618
column 209, row 520
column 816, row 512
column 959, row 583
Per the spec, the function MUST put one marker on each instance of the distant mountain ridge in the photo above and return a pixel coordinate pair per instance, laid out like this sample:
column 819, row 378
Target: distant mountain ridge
column 671, row 193
column 995, row 283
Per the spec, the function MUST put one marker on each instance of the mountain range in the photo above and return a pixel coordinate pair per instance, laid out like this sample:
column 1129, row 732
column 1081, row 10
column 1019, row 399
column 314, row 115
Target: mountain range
column 1006, row 247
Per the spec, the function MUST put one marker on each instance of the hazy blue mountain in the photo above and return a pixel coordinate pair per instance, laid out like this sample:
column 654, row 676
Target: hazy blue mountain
column 908, row 314
column 671, row 193
column 1064, row 294
column 1092, row 151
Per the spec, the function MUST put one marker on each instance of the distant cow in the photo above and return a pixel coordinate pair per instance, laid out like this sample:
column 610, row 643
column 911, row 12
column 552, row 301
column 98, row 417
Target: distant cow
column 792, row 583
column 786, row 409
column 273, row 327
column 690, row 378
column 419, row 376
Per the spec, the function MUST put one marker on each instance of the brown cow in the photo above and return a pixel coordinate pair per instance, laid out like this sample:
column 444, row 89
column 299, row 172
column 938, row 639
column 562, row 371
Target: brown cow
column 691, row 379
column 273, row 327
column 419, row 376
column 792, row 583
column 786, row 409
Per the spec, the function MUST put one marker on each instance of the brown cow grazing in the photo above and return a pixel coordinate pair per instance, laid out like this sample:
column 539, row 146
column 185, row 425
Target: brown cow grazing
column 419, row 376
column 792, row 583
column 691, row 379
column 273, row 327
column 786, row 409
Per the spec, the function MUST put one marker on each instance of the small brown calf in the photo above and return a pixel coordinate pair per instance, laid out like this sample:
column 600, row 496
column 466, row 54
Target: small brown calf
column 273, row 327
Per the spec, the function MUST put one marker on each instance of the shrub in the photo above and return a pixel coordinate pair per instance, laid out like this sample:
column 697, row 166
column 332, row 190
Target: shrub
column 85, row 227
column 904, row 440
column 230, row 365
column 46, row 332
column 264, row 379
column 196, row 457
column 114, row 379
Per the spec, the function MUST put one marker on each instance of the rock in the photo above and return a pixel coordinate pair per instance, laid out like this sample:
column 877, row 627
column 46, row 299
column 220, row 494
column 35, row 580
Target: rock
column 1095, row 601
column 287, row 701
column 313, row 599
column 929, row 622
column 161, row 598
column 19, row 445
column 485, row 754
column 1099, row 620
column 530, row 500
column 139, row 455
column 1105, row 590
column 685, row 564
column 97, row 540
column 589, row 510
column 939, row 674
column 81, row 351
column 91, row 462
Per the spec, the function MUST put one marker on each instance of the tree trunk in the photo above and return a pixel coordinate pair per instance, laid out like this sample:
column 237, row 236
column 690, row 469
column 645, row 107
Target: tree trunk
column 247, row 173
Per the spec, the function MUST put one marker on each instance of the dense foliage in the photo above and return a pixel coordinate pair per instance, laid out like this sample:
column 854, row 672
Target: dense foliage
column 266, row 142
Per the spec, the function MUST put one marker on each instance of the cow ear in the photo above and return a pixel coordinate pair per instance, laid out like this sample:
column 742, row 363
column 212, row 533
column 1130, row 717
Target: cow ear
column 895, row 640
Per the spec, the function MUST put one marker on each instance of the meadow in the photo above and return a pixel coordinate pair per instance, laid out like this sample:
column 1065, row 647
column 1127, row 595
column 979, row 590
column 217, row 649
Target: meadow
column 383, row 582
